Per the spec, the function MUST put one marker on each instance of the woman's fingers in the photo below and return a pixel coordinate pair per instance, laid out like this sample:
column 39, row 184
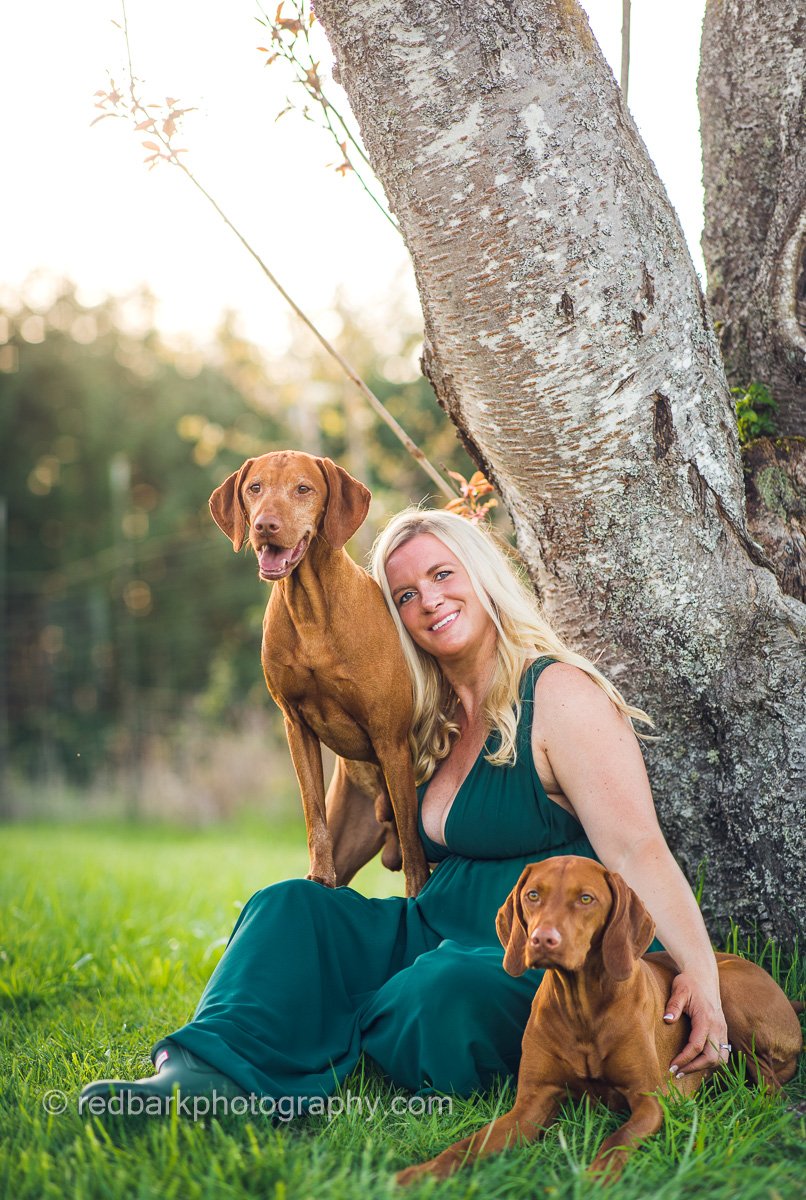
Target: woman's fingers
column 693, row 1058
column 707, row 1045
column 674, row 1009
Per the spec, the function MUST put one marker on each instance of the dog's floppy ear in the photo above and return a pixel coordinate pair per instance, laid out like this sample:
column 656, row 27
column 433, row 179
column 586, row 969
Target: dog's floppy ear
column 228, row 511
column 629, row 929
column 347, row 504
column 511, row 929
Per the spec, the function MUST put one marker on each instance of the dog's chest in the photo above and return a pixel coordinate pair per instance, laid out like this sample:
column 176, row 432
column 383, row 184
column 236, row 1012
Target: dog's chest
column 587, row 1064
column 326, row 699
column 589, row 1072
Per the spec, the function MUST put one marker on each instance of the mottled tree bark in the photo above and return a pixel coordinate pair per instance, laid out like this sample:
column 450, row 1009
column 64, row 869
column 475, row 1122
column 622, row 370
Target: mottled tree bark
column 753, row 114
column 567, row 337
column 775, row 484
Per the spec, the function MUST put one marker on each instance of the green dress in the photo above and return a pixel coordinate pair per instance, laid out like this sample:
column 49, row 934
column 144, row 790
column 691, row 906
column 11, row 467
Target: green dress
column 313, row 976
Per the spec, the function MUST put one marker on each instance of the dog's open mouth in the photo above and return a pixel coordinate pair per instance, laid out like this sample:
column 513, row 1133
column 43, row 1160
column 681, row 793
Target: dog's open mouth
column 275, row 562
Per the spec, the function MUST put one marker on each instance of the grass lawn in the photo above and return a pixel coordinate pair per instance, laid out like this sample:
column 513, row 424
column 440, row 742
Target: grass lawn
column 109, row 934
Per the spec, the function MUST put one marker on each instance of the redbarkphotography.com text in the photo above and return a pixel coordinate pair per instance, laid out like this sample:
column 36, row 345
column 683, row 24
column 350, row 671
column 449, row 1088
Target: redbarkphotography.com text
column 280, row 1108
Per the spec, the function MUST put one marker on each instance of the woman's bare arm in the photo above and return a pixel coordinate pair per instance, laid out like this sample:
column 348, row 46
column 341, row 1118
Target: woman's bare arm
column 596, row 760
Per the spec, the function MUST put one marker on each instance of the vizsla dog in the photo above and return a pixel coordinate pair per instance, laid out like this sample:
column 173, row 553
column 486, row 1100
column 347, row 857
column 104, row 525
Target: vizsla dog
column 596, row 1023
column 331, row 657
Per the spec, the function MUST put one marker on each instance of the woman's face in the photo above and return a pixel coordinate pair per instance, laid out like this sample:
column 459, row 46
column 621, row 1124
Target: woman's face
column 435, row 598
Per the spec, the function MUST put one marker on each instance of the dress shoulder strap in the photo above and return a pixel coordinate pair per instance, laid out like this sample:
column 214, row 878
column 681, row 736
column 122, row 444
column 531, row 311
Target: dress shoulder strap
column 532, row 674
column 527, row 694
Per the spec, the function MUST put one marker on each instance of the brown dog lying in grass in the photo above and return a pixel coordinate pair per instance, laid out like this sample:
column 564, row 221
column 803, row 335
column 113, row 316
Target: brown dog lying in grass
column 596, row 1023
column 331, row 657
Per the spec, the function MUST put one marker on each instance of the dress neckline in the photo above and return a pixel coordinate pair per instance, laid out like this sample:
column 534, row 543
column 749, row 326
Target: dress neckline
column 485, row 749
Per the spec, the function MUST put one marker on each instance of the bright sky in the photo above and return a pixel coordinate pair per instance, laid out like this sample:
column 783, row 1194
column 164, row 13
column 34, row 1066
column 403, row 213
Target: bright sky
column 76, row 201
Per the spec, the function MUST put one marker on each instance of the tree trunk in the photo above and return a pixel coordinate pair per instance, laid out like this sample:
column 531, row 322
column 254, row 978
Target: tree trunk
column 567, row 338
column 775, row 483
column 751, row 91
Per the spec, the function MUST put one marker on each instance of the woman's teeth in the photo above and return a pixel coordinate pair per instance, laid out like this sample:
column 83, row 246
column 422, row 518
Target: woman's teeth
column 445, row 621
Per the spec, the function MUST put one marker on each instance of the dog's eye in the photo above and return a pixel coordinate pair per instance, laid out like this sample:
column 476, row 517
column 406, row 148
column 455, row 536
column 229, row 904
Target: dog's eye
column 533, row 895
column 303, row 488
column 586, row 898
column 254, row 487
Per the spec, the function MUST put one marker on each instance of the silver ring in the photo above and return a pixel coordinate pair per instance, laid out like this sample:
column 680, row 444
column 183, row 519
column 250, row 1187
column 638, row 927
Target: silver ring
column 725, row 1046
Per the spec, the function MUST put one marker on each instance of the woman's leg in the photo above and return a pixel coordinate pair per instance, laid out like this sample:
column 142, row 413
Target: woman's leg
column 453, row 1020
column 176, row 1068
column 278, row 1016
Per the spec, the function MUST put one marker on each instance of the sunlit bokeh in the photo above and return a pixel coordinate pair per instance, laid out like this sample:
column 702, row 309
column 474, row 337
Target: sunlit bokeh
column 78, row 202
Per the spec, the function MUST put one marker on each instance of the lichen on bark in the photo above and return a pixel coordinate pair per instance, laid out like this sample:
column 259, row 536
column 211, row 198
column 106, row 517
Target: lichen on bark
column 753, row 119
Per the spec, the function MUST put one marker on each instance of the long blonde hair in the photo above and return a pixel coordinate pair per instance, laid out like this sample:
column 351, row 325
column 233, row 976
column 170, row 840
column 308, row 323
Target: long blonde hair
column 522, row 630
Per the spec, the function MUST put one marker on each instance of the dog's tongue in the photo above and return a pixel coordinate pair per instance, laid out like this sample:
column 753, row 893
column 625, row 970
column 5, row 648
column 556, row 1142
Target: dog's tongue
column 274, row 558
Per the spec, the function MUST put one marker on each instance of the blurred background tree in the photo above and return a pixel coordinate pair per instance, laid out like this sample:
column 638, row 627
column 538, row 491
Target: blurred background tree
column 130, row 635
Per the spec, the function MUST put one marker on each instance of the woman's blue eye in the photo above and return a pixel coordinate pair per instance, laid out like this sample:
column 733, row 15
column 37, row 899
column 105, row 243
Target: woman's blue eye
column 445, row 571
column 404, row 598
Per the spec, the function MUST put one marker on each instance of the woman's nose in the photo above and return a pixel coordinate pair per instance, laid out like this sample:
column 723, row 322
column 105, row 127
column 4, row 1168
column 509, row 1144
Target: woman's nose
column 431, row 599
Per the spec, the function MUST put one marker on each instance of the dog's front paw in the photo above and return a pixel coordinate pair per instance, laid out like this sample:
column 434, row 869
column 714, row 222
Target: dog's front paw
column 607, row 1167
column 325, row 880
column 412, row 1174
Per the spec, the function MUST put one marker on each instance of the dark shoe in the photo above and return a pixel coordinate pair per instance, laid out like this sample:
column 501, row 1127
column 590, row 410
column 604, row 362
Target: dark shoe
column 177, row 1068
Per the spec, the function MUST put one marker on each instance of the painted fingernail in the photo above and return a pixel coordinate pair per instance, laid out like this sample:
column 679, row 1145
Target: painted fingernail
column 673, row 1070
column 679, row 1075
column 668, row 1016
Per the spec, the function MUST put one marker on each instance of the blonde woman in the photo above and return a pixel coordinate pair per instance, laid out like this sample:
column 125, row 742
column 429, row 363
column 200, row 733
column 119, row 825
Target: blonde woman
column 522, row 750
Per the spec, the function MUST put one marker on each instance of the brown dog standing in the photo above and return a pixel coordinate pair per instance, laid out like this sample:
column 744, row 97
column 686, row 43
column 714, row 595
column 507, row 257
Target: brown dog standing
column 596, row 1023
column 331, row 654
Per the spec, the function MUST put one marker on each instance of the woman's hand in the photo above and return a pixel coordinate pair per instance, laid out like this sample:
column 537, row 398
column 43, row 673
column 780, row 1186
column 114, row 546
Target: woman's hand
column 708, row 1044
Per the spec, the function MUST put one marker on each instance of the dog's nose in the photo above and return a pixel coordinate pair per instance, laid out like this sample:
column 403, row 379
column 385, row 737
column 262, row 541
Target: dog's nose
column 545, row 937
column 266, row 523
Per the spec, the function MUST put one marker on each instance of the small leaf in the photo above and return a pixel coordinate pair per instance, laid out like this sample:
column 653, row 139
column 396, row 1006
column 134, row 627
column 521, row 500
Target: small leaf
column 152, row 146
